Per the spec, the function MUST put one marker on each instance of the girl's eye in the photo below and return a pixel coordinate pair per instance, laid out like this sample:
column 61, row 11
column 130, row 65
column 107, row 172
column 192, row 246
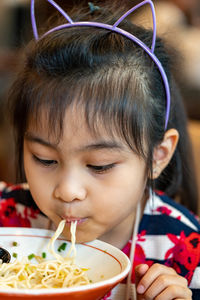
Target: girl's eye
column 45, row 162
column 101, row 169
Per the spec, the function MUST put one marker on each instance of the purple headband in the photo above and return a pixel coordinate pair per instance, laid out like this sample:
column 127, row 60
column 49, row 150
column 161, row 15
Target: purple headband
column 116, row 29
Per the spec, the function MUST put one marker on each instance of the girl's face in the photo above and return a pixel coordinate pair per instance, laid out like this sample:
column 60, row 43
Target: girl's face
column 97, row 181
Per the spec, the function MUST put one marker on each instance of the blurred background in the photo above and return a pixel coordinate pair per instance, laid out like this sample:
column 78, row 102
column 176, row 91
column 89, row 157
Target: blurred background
column 178, row 21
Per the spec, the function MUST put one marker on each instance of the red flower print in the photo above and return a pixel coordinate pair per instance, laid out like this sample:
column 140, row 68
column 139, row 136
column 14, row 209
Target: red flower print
column 185, row 252
column 141, row 236
column 163, row 210
column 160, row 193
column 29, row 212
column 13, row 187
column 10, row 217
column 127, row 248
column 140, row 258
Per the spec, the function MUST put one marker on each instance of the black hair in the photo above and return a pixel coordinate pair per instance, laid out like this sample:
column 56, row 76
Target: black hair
column 115, row 82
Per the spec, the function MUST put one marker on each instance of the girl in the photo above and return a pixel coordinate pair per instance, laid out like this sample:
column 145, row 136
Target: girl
column 89, row 113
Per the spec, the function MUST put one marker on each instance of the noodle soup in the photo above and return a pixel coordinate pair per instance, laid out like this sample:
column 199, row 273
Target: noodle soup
column 103, row 264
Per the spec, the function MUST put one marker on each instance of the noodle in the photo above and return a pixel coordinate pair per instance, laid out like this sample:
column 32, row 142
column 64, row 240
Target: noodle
column 59, row 273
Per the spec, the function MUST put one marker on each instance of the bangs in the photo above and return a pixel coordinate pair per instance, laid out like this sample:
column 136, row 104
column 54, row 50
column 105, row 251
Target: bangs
column 111, row 100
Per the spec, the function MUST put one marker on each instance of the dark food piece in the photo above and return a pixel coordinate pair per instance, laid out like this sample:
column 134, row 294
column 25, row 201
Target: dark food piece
column 5, row 255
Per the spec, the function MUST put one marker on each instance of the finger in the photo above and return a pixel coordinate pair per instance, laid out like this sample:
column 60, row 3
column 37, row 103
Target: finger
column 140, row 270
column 175, row 292
column 162, row 282
column 152, row 273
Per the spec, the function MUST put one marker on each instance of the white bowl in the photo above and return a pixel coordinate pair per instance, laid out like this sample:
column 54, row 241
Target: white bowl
column 107, row 264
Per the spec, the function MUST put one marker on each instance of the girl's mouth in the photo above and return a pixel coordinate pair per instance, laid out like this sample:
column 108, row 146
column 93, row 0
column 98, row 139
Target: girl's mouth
column 69, row 220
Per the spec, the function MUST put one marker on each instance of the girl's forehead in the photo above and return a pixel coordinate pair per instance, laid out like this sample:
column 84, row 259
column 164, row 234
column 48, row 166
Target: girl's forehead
column 72, row 130
column 73, row 125
column 78, row 139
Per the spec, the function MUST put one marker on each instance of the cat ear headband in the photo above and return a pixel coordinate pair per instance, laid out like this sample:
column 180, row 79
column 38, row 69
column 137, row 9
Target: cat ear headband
column 114, row 28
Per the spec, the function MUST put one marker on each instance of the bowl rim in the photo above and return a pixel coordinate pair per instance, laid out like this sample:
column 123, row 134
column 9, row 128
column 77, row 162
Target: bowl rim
column 46, row 233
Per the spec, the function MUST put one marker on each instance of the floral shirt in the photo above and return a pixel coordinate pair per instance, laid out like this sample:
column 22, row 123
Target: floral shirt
column 168, row 233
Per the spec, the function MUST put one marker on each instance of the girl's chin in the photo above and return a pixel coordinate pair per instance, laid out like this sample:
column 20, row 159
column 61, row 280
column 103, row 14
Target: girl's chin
column 83, row 233
column 81, row 237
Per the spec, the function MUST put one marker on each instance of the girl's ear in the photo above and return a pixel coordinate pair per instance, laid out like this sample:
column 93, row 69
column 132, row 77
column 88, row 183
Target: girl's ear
column 163, row 153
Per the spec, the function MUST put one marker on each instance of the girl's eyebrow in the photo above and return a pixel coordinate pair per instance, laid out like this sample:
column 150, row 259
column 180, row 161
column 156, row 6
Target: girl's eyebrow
column 103, row 145
column 94, row 146
column 36, row 139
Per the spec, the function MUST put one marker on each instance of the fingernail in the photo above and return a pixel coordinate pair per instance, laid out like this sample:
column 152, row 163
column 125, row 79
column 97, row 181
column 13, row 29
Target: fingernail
column 140, row 289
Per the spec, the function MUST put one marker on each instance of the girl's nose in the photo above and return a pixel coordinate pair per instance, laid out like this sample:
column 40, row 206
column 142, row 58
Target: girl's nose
column 70, row 188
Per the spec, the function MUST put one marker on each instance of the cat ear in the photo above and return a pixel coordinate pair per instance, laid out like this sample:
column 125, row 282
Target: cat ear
column 34, row 26
column 153, row 16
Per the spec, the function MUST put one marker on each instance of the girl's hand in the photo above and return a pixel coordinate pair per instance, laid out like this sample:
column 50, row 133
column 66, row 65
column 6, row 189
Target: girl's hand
column 159, row 282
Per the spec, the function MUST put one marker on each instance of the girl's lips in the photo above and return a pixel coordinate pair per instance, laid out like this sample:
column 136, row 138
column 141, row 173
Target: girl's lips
column 73, row 219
